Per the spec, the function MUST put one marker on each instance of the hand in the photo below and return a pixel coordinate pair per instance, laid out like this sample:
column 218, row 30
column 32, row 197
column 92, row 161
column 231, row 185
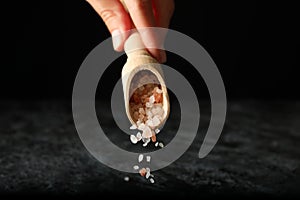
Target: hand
column 141, row 14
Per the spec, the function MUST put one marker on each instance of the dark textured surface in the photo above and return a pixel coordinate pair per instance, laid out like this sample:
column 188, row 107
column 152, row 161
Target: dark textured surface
column 258, row 153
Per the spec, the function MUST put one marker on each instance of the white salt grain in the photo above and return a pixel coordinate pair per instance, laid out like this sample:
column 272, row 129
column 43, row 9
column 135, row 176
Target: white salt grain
column 133, row 127
column 151, row 99
column 157, row 130
column 156, row 144
column 149, row 122
column 149, row 105
column 151, row 180
column 147, row 175
column 159, row 91
column 147, row 132
column 155, row 121
column 139, row 136
column 133, row 139
column 146, row 142
column 141, row 157
column 126, row 178
column 135, row 167
column 148, row 158
column 161, row 144
column 141, row 126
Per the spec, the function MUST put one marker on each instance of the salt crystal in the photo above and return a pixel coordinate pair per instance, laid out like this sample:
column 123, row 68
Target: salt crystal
column 133, row 127
column 151, row 99
column 141, row 111
column 149, row 122
column 147, row 132
column 149, row 105
column 139, row 136
column 161, row 144
column 149, row 114
column 159, row 91
column 126, row 178
column 147, row 175
column 156, row 144
column 133, row 139
column 135, row 167
column 147, row 169
column 155, row 121
column 146, row 142
column 142, row 126
column 151, row 180
column 157, row 130
column 148, row 158
column 141, row 157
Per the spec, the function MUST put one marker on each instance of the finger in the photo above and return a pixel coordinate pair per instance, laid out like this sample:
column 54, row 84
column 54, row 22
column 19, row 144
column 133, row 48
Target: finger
column 116, row 19
column 141, row 13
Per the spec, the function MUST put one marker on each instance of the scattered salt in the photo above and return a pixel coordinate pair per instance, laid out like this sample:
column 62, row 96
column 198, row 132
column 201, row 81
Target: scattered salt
column 161, row 144
column 133, row 139
column 135, row 167
column 159, row 91
column 148, row 158
column 151, row 180
column 141, row 157
column 147, row 175
column 126, row 178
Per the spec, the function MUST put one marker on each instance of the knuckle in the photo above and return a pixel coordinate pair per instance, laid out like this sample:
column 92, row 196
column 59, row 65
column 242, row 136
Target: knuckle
column 107, row 15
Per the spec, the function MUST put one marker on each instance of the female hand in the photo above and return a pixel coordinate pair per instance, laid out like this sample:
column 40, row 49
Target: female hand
column 141, row 14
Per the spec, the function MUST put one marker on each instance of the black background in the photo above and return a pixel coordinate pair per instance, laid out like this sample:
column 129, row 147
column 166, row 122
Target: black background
column 254, row 45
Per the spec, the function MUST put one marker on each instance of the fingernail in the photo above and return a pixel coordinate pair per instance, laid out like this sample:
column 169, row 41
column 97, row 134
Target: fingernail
column 162, row 56
column 116, row 39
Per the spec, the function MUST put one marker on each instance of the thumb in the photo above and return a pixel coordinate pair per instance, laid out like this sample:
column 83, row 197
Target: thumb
column 116, row 19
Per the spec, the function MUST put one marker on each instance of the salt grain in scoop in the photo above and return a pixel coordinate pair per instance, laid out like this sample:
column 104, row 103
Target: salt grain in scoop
column 133, row 127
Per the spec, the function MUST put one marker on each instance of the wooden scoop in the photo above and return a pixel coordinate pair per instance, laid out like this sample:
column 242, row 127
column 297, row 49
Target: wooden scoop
column 138, row 60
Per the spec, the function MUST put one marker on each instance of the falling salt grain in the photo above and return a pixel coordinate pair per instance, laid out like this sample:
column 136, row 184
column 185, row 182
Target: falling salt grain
column 133, row 127
column 157, row 130
column 135, row 167
column 138, row 136
column 161, row 144
column 151, row 180
column 133, row 139
column 141, row 157
column 147, row 175
column 156, row 144
column 148, row 158
column 126, row 178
